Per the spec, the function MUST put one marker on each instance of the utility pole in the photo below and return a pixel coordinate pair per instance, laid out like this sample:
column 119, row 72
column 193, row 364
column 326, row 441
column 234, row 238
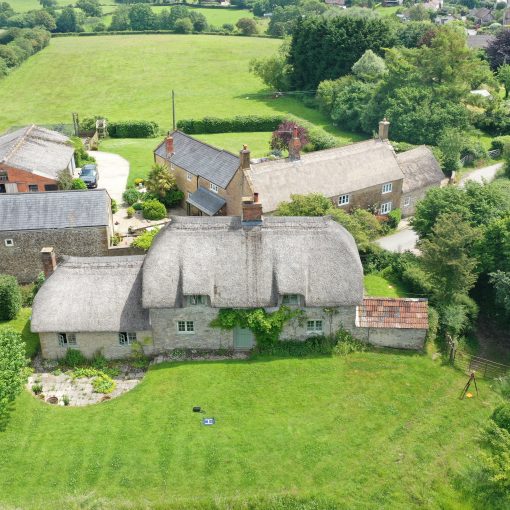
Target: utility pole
column 173, row 109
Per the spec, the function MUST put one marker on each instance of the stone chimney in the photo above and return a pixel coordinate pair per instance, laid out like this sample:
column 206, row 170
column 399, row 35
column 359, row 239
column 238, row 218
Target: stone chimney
column 244, row 157
column 49, row 261
column 252, row 209
column 294, row 145
column 169, row 142
column 384, row 129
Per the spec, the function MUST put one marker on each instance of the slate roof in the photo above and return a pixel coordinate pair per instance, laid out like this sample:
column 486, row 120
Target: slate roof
column 331, row 172
column 36, row 150
column 207, row 201
column 399, row 313
column 420, row 167
column 245, row 267
column 92, row 294
column 198, row 158
column 54, row 209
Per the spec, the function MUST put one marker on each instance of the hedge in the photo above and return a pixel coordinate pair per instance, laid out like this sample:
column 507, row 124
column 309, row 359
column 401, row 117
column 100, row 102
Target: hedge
column 319, row 138
column 10, row 297
column 133, row 129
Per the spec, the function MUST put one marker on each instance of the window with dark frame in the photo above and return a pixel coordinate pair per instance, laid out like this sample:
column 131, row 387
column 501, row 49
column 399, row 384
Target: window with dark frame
column 127, row 338
column 33, row 188
column 66, row 339
column 185, row 327
column 290, row 299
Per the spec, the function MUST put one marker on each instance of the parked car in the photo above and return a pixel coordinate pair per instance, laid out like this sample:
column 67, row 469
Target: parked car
column 90, row 176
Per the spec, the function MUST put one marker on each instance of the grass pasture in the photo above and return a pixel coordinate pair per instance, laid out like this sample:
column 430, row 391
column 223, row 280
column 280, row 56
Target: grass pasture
column 370, row 430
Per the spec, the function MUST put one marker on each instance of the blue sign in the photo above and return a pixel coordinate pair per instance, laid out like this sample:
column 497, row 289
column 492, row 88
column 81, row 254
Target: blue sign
column 208, row 421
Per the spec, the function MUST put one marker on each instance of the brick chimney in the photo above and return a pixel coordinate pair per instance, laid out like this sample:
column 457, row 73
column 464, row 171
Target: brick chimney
column 244, row 157
column 294, row 145
column 252, row 209
column 49, row 261
column 384, row 129
column 169, row 142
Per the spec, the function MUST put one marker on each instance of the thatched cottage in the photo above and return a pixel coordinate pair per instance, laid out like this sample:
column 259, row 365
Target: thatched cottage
column 197, row 266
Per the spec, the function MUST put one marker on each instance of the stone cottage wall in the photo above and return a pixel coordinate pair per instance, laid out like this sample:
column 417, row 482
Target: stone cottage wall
column 23, row 260
column 392, row 337
column 90, row 343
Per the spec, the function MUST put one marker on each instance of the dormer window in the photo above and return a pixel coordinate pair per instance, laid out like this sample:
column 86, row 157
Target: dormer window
column 213, row 187
column 197, row 299
column 290, row 299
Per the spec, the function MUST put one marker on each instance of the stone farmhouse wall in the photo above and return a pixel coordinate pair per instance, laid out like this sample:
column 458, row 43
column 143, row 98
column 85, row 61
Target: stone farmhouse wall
column 91, row 343
column 414, row 197
column 23, row 259
column 392, row 337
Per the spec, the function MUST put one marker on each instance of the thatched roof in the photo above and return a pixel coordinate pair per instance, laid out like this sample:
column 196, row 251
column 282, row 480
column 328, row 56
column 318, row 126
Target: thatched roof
column 242, row 267
column 37, row 150
column 54, row 209
column 92, row 294
column 331, row 172
column 420, row 168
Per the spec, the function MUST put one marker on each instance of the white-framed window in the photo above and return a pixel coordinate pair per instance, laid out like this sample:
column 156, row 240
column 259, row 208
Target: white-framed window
column 386, row 188
column 213, row 187
column 314, row 326
column 3, row 177
column 185, row 327
column 189, row 194
column 33, row 188
column 189, row 177
column 343, row 199
column 66, row 339
column 385, row 208
column 127, row 338
column 197, row 299
column 9, row 242
column 290, row 299
column 407, row 201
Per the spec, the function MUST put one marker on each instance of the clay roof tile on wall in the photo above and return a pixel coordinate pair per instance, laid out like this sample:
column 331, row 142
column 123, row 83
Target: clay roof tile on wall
column 401, row 313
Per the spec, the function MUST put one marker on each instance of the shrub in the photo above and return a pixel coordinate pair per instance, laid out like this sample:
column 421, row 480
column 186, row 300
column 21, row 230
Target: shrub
column 501, row 416
column 78, row 184
column 153, row 210
column 173, row 197
column 66, row 400
column 137, row 206
column 131, row 196
column 73, row 358
column 346, row 344
column 10, row 298
column 133, row 129
column 183, row 26
column 394, row 218
column 37, row 388
column 27, row 295
column 103, row 384
column 138, row 181
column 99, row 361
column 130, row 212
column 115, row 206
column 144, row 241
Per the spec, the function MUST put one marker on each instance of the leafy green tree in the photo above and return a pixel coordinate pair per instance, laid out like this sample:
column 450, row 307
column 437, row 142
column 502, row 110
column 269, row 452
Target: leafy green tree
column 504, row 77
column 451, row 143
column 141, row 17
column 501, row 283
column 47, row 4
column 370, row 67
column 160, row 181
column 314, row 204
column 64, row 180
column 45, row 20
column 3, row 68
column 447, row 256
column 184, row 26
column 10, row 298
column 199, row 21
column 90, row 7
column 120, row 20
column 494, row 249
column 9, row 56
column 67, row 21
column 13, row 365
column 274, row 70
column 247, row 26
column 283, row 19
column 412, row 34
column 419, row 13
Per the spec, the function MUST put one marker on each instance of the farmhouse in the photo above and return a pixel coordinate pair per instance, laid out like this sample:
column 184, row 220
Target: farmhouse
column 32, row 157
column 197, row 266
column 75, row 223
column 211, row 178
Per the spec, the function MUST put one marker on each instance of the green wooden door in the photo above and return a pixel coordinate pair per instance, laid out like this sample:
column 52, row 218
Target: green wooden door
column 243, row 339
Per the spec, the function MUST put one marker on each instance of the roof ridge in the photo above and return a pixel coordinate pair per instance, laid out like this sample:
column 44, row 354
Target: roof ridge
column 20, row 142
column 203, row 143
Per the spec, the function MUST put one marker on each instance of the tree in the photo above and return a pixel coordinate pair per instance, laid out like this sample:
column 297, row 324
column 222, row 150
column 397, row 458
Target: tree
column 67, row 21
column 141, row 17
column 281, row 138
column 64, row 180
column 247, row 26
column 370, row 67
column 498, row 50
column 183, row 26
column 501, row 282
column 199, row 21
column 120, row 19
column 504, row 77
column 13, row 364
column 47, row 4
column 451, row 143
column 45, row 19
column 419, row 13
column 160, row 181
column 90, row 7
column 314, row 204
column 447, row 257
column 274, row 70
column 9, row 56
column 10, row 298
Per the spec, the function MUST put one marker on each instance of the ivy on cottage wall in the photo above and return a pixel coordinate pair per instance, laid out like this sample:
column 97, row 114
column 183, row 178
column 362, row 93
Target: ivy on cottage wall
column 266, row 326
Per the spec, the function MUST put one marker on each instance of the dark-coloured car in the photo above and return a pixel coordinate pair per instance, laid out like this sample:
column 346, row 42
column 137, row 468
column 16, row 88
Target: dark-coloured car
column 90, row 176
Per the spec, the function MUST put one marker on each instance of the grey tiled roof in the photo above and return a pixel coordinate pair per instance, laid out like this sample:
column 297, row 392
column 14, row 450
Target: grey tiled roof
column 54, row 209
column 198, row 158
column 206, row 201
column 37, row 150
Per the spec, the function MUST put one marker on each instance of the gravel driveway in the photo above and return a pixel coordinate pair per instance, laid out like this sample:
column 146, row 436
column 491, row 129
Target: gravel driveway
column 113, row 173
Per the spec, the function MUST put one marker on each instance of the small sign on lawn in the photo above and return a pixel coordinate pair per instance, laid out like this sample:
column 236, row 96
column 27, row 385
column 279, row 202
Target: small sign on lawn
column 208, row 421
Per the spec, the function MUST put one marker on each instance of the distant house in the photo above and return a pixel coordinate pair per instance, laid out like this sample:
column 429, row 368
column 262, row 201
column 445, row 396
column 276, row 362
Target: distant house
column 482, row 16
column 421, row 172
column 391, row 3
column 75, row 223
column 32, row 157
column 336, row 3
column 211, row 178
column 200, row 265
column 365, row 175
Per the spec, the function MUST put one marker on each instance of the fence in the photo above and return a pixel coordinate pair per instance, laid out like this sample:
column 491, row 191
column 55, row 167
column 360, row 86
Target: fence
column 483, row 367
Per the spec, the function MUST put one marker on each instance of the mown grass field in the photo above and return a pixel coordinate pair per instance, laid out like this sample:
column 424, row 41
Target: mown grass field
column 378, row 286
column 131, row 77
column 370, row 430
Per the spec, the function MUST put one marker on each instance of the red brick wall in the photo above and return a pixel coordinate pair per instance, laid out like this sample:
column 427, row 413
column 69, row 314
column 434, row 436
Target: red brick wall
column 23, row 178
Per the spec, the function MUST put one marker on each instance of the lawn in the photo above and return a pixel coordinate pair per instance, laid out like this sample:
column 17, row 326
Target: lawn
column 31, row 5
column 387, row 11
column 379, row 286
column 217, row 17
column 22, row 324
column 131, row 77
column 371, row 430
